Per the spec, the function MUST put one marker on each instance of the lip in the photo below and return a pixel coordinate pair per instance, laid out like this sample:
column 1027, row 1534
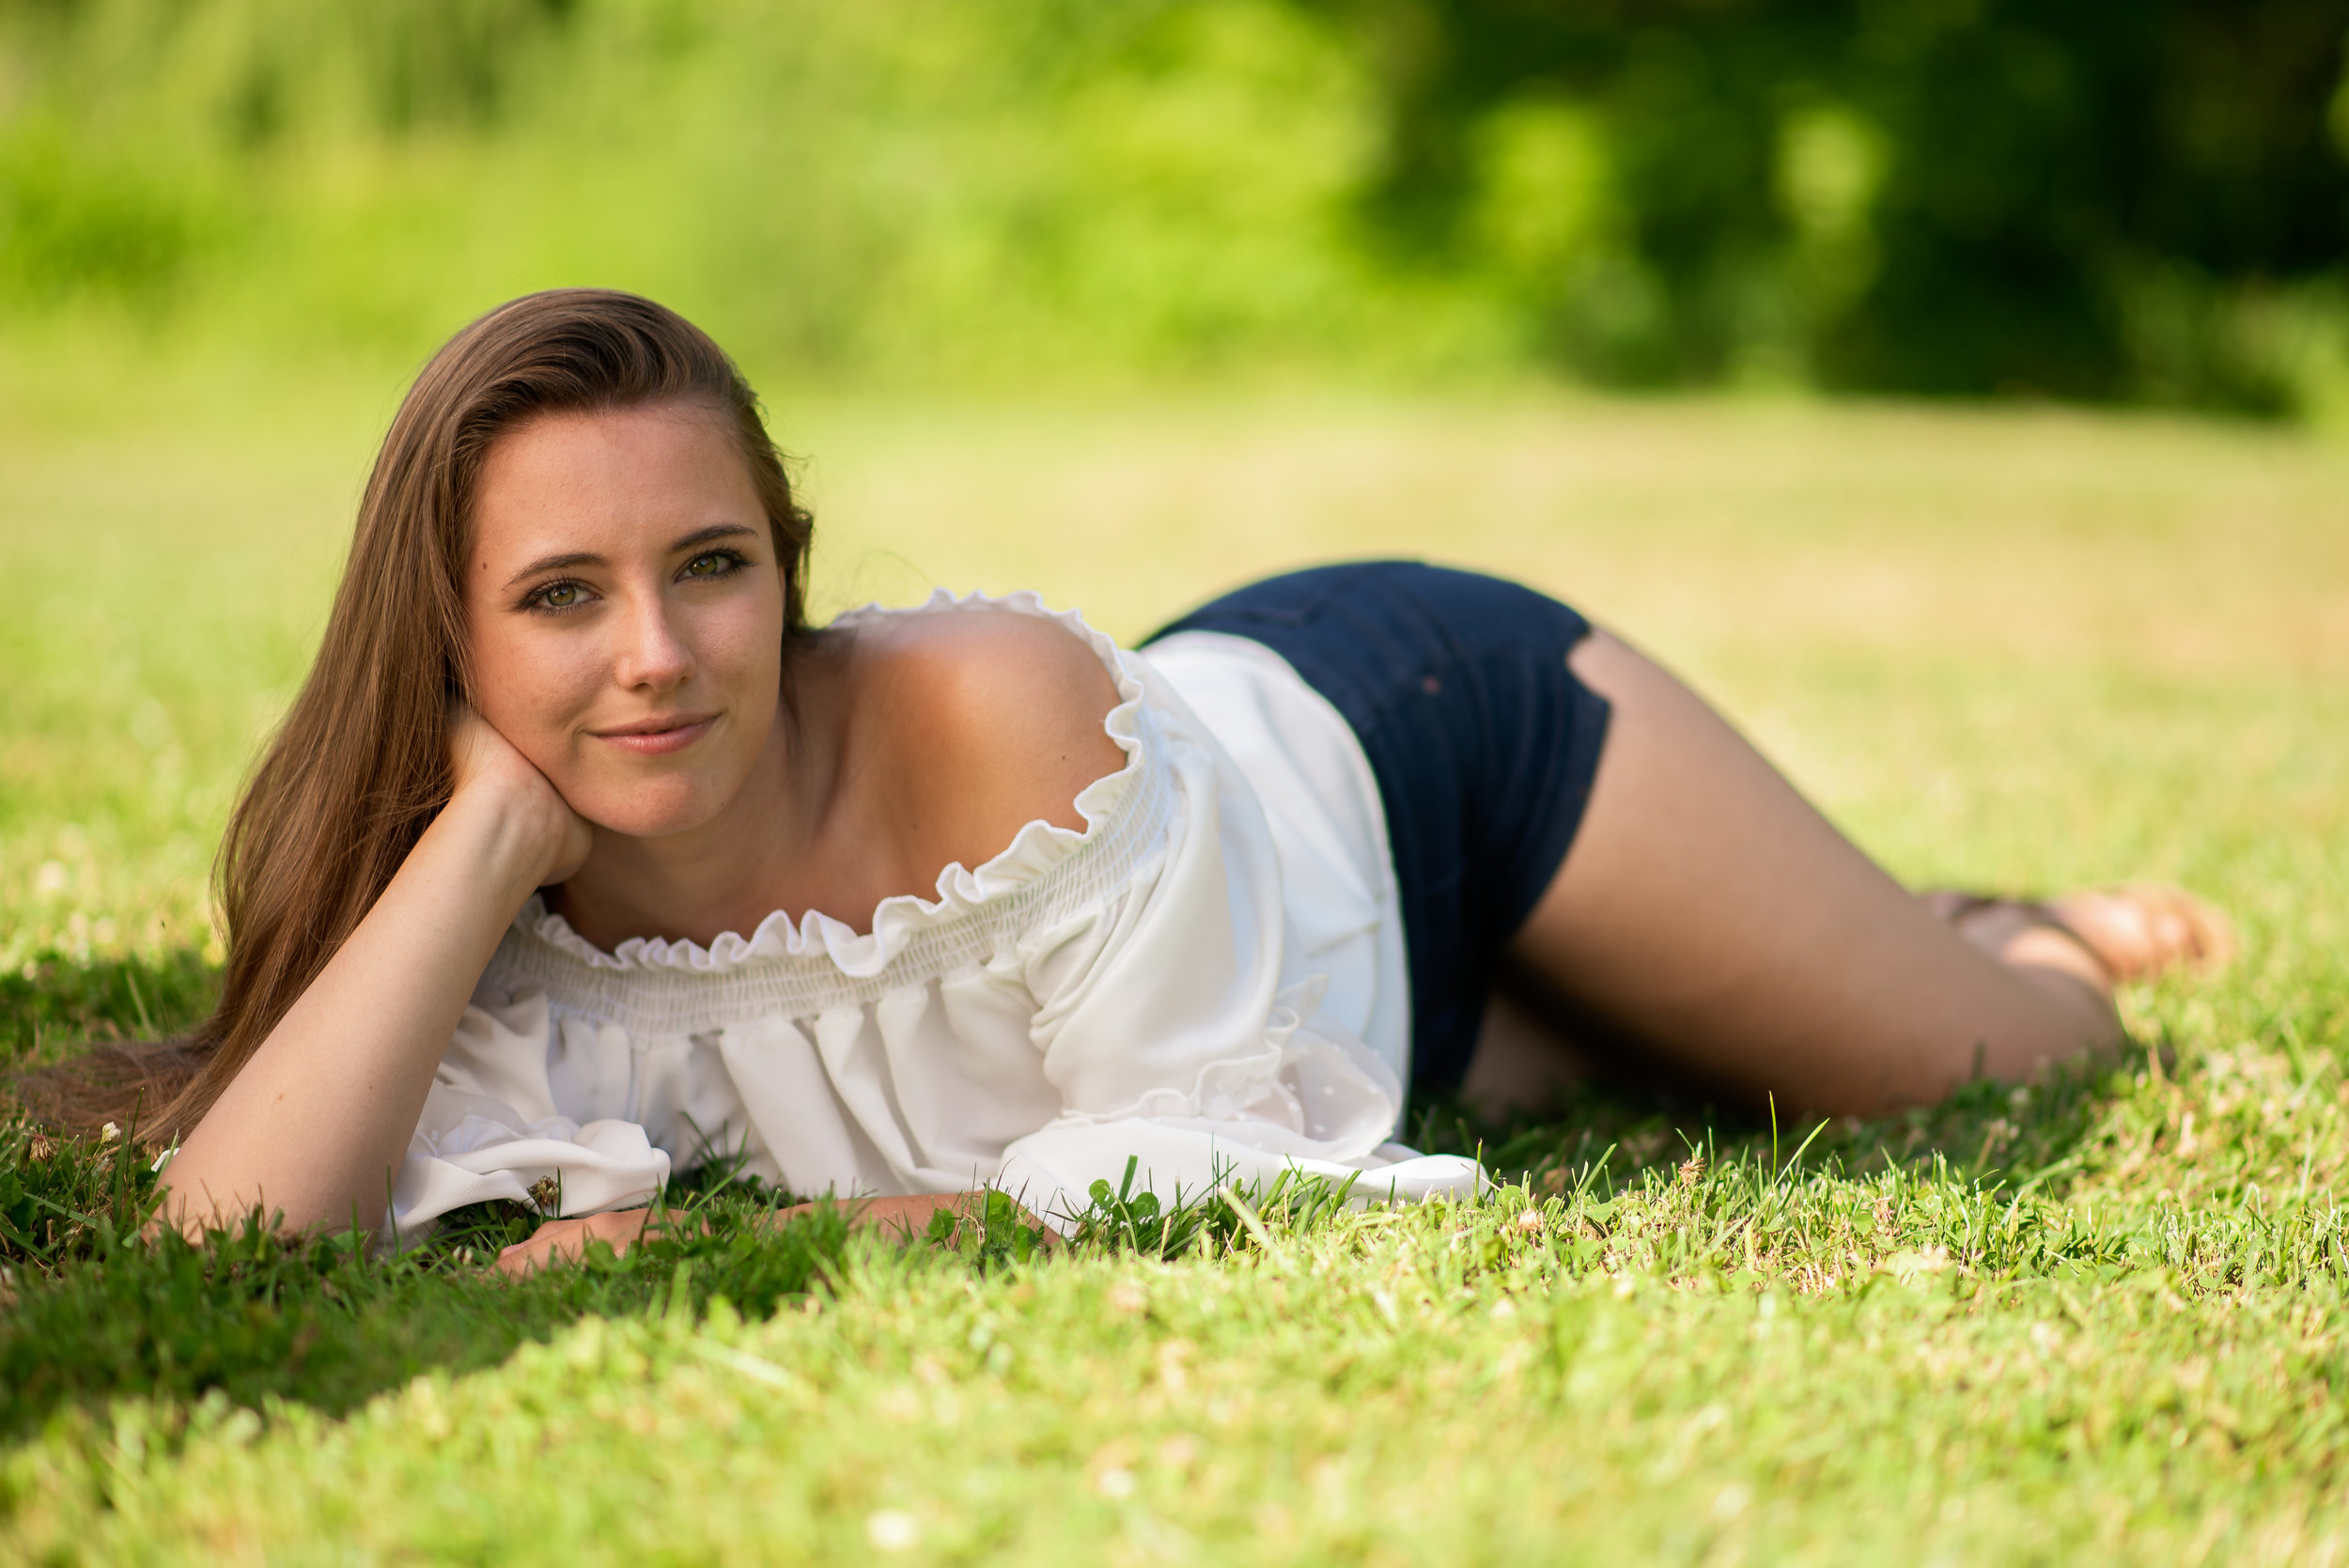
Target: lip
column 653, row 737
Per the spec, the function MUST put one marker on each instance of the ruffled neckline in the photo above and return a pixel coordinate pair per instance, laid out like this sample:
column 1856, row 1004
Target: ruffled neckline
column 900, row 919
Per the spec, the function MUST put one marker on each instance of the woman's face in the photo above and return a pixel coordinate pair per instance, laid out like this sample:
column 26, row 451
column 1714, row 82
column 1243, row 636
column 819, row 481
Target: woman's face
column 625, row 610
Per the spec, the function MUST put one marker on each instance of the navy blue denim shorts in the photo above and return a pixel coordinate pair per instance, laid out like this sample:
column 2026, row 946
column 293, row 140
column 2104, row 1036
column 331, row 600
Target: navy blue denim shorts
column 1484, row 744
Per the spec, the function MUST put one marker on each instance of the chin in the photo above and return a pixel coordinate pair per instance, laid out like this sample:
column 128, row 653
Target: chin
column 655, row 809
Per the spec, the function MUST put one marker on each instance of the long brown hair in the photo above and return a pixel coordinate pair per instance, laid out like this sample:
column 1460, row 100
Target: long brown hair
column 360, row 765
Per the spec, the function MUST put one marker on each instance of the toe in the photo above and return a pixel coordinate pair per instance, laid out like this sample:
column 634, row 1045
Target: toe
column 2141, row 931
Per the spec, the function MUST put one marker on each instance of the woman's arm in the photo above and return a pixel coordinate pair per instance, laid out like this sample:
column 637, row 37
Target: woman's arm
column 314, row 1126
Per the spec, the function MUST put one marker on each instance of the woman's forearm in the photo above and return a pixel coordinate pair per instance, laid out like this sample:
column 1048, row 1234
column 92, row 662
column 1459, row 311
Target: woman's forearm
column 315, row 1124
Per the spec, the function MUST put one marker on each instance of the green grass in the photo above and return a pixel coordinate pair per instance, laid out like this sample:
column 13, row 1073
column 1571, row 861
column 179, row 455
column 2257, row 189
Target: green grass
column 2105, row 1315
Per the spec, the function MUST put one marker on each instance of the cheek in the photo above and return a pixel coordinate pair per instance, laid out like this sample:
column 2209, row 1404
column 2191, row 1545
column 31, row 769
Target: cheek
column 741, row 643
column 532, row 689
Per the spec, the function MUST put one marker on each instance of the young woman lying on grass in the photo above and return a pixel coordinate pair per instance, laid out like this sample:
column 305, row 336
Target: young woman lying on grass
column 581, row 857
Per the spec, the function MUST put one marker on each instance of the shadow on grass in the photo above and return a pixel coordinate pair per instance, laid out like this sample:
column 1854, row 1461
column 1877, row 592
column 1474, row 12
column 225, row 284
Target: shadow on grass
column 1988, row 1131
column 92, row 1308
column 95, row 1308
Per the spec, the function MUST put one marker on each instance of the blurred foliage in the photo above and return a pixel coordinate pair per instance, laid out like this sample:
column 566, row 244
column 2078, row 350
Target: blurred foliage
column 983, row 193
column 2079, row 198
column 2084, row 198
column 50, row 1005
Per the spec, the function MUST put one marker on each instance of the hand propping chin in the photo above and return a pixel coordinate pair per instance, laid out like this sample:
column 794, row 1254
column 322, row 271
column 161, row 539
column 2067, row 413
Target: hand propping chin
column 488, row 765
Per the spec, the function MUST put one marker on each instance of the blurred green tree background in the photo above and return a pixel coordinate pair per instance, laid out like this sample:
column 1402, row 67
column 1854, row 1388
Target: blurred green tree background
column 2140, row 200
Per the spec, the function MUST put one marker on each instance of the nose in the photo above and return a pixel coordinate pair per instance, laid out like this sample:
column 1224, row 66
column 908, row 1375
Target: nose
column 651, row 657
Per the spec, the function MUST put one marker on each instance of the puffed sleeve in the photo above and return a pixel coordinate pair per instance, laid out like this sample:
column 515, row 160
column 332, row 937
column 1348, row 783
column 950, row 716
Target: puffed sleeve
column 492, row 1128
column 1163, row 1026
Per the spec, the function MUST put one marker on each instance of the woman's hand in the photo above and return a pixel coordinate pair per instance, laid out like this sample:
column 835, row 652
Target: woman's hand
column 490, row 770
column 907, row 1218
column 565, row 1240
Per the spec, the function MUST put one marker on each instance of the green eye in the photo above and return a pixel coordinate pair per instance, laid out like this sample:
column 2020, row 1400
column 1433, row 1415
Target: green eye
column 560, row 596
column 715, row 564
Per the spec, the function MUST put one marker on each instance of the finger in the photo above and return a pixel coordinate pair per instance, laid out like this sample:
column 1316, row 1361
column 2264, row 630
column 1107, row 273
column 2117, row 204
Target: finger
column 551, row 1244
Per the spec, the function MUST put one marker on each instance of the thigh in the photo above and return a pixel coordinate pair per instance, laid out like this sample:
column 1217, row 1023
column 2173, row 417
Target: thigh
column 1707, row 909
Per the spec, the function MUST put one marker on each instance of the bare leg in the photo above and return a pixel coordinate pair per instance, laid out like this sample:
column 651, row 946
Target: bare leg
column 1711, row 912
column 1526, row 1059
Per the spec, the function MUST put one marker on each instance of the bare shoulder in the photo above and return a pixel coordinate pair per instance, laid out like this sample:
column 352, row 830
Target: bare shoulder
column 989, row 719
column 992, row 671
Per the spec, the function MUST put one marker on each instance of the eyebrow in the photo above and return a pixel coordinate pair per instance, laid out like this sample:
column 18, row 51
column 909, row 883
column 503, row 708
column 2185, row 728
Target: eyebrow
column 589, row 558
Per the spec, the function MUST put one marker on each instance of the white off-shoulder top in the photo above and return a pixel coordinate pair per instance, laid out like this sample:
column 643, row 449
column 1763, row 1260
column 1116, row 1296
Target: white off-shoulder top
column 1208, row 978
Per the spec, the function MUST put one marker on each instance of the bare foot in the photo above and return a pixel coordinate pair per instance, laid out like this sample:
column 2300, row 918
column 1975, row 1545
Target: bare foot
column 2102, row 935
column 2143, row 929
